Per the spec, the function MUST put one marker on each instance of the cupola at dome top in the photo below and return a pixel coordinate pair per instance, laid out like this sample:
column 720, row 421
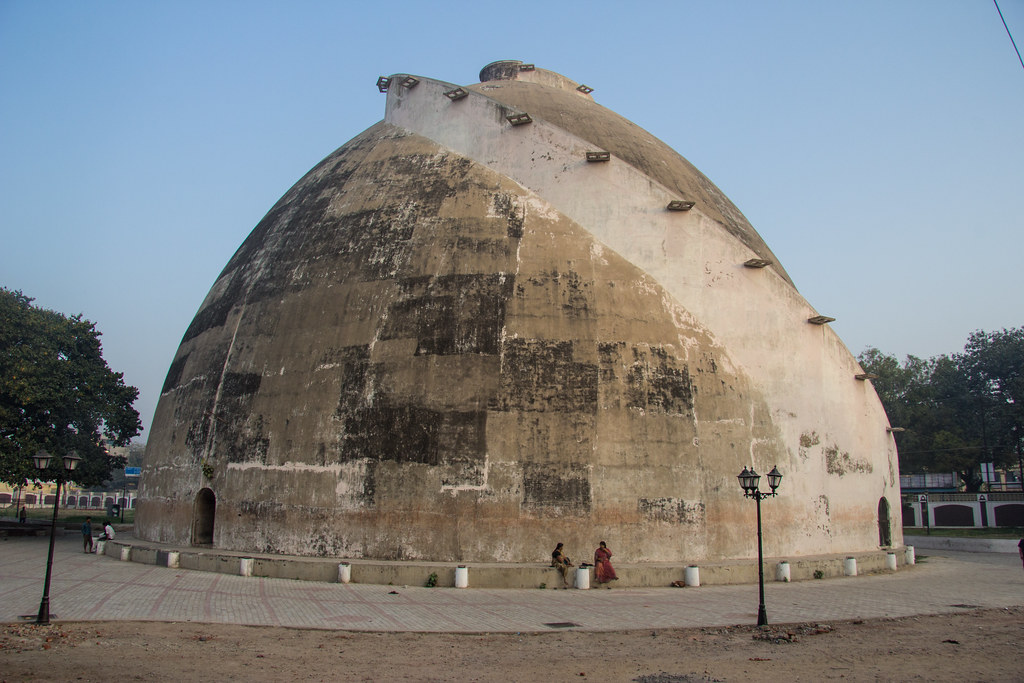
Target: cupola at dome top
column 515, row 70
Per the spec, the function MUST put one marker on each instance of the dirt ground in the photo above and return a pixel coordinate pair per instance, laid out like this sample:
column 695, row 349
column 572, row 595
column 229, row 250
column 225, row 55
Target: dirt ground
column 968, row 645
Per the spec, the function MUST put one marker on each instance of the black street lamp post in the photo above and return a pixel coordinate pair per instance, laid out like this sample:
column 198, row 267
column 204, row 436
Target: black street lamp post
column 42, row 461
column 750, row 481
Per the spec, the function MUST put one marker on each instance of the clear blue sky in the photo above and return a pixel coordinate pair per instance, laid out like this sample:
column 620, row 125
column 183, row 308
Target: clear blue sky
column 877, row 146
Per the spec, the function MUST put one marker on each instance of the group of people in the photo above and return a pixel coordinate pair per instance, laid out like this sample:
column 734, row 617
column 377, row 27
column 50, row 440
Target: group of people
column 604, row 572
column 87, row 543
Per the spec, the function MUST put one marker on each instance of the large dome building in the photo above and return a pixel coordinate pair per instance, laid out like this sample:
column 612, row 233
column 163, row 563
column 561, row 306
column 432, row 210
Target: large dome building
column 502, row 317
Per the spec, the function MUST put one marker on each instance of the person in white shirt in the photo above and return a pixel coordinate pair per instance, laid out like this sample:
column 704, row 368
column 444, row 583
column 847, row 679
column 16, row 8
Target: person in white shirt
column 108, row 532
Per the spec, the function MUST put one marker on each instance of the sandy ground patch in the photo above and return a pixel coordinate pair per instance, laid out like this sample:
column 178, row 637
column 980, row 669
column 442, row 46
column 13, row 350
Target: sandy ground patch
column 969, row 645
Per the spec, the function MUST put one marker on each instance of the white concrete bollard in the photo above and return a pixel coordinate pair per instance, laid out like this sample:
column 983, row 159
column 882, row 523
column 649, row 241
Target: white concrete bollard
column 245, row 566
column 850, row 566
column 173, row 559
column 344, row 572
column 101, row 547
column 890, row 561
column 691, row 576
column 126, row 553
column 462, row 576
column 782, row 572
column 583, row 578
column 909, row 555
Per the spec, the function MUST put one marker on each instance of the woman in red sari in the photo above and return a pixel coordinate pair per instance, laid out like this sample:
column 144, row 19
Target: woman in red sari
column 603, row 569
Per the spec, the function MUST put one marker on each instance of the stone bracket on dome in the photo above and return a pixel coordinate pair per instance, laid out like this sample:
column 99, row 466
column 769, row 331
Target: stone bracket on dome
column 865, row 375
column 679, row 205
column 456, row 94
column 757, row 263
column 527, row 67
column 585, row 89
column 410, row 82
column 383, row 83
column 599, row 156
column 820, row 320
column 519, row 119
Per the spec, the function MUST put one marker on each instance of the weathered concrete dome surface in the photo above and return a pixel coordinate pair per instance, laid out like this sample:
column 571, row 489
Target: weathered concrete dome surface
column 457, row 339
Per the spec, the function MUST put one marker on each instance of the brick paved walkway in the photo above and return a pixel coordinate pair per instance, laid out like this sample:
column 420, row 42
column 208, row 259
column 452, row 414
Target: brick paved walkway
column 90, row 587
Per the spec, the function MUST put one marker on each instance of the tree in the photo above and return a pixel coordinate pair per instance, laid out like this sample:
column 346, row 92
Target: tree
column 955, row 424
column 957, row 411
column 914, row 401
column 993, row 364
column 58, row 394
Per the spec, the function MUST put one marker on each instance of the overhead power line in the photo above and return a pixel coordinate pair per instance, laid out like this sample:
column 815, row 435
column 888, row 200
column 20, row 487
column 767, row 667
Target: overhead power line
column 1012, row 41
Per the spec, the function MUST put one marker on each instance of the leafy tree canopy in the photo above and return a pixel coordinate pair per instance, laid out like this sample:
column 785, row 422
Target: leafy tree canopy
column 58, row 394
column 957, row 410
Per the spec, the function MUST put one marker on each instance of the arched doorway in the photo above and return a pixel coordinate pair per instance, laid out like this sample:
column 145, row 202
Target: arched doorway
column 884, row 524
column 203, row 513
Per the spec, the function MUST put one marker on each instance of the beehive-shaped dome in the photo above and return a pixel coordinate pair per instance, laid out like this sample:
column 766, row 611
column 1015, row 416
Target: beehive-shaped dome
column 503, row 317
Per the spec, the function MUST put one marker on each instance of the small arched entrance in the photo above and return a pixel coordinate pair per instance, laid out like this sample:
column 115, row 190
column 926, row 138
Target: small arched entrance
column 884, row 524
column 203, row 513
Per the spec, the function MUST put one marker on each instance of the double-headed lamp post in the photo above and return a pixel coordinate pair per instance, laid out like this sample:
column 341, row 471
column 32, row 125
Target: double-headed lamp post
column 750, row 481
column 42, row 461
